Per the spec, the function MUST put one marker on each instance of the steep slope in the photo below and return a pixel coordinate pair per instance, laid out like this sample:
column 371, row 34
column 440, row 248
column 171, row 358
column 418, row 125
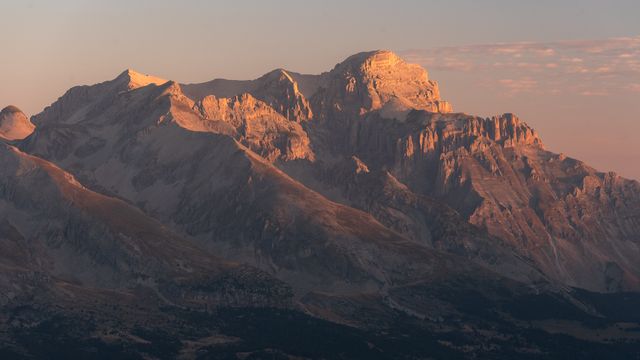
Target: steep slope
column 14, row 124
column 57, row 230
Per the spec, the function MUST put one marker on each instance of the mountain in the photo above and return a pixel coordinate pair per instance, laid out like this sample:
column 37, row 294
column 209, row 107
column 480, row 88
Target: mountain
column 14, row 124
column 240, row 218
column 160, row 151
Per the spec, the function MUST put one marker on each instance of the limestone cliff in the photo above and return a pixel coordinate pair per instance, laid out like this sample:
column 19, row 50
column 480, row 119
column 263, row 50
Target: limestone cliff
column 378, row 80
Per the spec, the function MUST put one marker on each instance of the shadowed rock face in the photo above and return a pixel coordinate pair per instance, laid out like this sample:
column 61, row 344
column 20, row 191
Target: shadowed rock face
column 14, row 124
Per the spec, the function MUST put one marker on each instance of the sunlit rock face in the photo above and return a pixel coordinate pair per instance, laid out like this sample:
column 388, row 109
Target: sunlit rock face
column 258, row 126
column 14, row 124
column 277, row 89
column 378, row 80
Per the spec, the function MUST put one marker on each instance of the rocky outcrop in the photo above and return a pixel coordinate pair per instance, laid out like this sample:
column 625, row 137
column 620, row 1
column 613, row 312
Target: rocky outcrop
column 258, row 126
column 277, row 88
column 14, row 124
column 280, row 91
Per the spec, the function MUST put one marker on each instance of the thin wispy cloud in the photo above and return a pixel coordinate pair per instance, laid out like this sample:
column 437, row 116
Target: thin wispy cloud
column 585, row 67
column 515, row 86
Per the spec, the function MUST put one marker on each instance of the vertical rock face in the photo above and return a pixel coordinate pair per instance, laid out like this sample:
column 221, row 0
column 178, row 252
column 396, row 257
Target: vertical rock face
column 14, row 124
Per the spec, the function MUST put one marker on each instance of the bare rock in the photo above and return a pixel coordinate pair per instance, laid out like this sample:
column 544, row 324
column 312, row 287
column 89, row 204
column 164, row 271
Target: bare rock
column 14, row 124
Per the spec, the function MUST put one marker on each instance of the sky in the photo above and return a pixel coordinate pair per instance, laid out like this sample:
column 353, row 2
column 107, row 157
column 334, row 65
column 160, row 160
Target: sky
column 570, row 69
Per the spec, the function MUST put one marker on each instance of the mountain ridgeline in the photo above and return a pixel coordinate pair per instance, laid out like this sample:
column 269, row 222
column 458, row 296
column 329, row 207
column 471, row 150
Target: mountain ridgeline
column 171, row 219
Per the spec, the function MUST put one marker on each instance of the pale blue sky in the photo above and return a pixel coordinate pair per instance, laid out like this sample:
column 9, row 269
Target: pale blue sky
column 49, row 46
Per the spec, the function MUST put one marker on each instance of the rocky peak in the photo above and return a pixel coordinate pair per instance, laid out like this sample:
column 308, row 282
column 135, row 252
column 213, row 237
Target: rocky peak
column 14, row 124
column 133, row 79
column 372, row 63
column 377, row 80
column 98, row 97
column 278, row 89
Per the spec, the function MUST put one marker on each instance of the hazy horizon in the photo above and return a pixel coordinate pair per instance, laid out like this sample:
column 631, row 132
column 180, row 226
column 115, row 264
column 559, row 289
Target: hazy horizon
column 573, row 74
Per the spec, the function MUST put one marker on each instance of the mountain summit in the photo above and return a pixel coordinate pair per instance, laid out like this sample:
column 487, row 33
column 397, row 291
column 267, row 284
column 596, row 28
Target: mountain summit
column 382, row 80
column 133, row 79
